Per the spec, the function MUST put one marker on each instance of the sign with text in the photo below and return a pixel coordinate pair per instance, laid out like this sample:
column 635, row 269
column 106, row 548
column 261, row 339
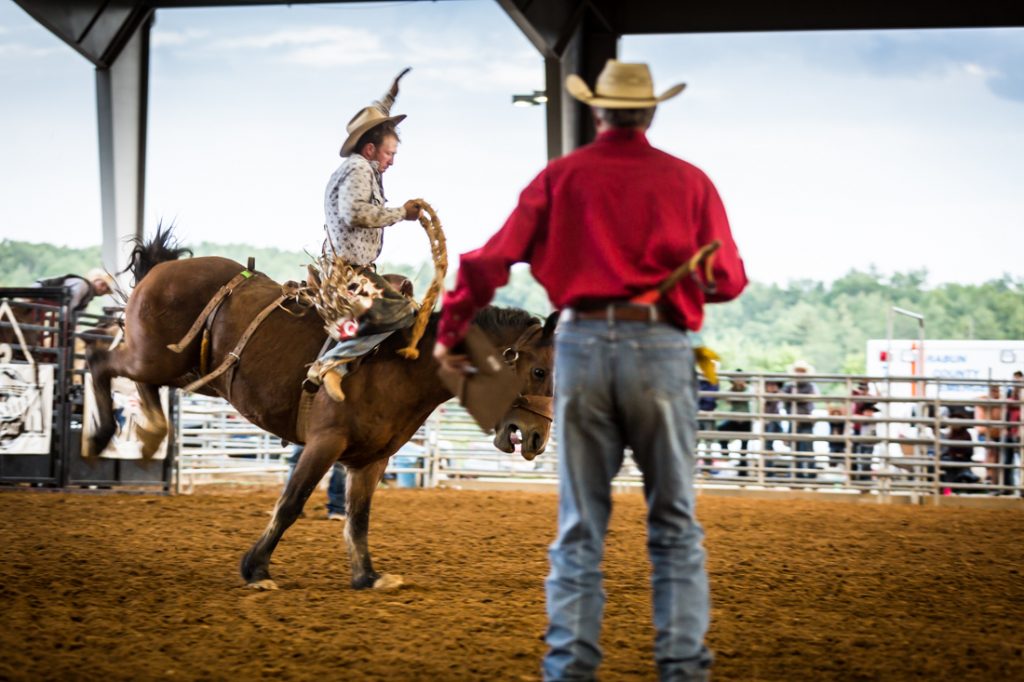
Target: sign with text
column 26, row 408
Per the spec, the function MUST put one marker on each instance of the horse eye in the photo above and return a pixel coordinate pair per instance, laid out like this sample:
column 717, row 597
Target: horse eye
column 539, row 373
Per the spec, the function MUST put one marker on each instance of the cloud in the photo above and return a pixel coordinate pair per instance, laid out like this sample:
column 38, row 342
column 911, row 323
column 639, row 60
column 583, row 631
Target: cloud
column 996, row 56
column 321, row 46
column 176, row 38
column 472, row 64
column 1008, row 85
column 22, row 50
column 318, row 35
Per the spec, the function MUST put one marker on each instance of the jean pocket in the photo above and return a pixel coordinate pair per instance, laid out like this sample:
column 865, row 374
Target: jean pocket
column 667, row 370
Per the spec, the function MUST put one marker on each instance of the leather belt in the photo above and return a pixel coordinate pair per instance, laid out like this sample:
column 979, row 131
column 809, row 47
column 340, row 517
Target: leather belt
column 617, row 312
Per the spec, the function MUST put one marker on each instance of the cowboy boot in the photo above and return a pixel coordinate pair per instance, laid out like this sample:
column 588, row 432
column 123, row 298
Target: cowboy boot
column 332, row 384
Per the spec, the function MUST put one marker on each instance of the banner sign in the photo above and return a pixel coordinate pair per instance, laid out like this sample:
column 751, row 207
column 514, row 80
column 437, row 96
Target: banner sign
column 26, row 409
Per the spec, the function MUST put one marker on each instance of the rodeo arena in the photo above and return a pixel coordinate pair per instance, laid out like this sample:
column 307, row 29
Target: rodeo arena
column 155, row 454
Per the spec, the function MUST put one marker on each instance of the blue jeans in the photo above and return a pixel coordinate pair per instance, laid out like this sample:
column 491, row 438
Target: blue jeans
column 804, row 461
column 617, row 385
column 335, row 486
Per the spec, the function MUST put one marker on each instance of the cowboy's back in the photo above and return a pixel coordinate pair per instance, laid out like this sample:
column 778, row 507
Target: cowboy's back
column 605, row 223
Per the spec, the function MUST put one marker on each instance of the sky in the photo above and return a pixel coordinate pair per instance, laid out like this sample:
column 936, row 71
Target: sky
column 832, row 150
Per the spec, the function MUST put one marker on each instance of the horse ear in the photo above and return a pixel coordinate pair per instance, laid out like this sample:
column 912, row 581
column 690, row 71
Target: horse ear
column 548, row 334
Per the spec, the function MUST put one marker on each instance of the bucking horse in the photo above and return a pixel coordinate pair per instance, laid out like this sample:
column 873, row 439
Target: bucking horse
column 388, row 396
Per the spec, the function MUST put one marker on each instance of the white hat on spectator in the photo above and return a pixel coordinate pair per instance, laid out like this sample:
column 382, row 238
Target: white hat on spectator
column 802, row 366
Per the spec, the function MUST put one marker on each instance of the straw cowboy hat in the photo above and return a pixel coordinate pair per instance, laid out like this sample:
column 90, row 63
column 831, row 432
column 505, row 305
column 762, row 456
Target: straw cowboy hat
column 101, row 274
column 620, row 86
column 377, row 113
column 801, row 366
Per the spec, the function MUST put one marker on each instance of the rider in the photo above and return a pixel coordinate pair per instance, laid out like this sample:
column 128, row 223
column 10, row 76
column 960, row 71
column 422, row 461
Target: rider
column 356, row 213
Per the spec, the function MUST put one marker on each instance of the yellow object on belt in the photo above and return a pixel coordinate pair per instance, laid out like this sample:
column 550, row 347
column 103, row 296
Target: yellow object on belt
column 706, row 360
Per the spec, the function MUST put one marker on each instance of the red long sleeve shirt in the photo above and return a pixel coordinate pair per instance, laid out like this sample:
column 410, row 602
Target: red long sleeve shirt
column 607, row 222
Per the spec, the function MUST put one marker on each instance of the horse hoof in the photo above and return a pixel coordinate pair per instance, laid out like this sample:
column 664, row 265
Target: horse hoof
column 388, row 581
column 263, row 585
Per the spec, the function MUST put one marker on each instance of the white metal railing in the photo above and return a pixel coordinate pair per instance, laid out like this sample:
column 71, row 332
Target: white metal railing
column 919, row 442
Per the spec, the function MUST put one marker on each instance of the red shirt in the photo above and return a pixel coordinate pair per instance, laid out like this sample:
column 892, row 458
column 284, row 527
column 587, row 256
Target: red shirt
column 607, row 222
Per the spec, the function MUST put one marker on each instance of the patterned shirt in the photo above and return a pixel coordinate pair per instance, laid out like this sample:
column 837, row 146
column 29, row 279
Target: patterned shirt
column 355, row 211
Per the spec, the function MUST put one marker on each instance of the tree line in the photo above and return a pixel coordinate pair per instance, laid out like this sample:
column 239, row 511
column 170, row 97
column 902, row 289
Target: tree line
column 766, row 329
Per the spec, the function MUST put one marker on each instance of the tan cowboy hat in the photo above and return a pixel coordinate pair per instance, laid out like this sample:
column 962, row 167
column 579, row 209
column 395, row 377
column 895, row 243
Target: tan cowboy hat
column 801, row 366
column 377, row 113
column 620, row 86
column 101, row 274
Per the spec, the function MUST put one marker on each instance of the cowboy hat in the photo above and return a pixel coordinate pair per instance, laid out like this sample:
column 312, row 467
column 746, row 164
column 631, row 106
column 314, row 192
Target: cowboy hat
column 801, row 366
column 103, row 275
column 620, row 86
column 374, row 115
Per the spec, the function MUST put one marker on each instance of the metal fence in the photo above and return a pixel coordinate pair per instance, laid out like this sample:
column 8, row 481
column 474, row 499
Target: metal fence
column 918, row 441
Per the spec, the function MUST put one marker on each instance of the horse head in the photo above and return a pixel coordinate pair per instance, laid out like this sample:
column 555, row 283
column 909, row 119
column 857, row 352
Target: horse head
column 528, row 422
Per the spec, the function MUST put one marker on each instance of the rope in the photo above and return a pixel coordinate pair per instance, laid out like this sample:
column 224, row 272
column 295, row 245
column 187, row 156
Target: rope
column 439, row 253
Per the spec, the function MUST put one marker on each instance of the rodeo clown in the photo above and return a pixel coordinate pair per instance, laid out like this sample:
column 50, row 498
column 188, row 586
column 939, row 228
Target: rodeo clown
column 369, row 308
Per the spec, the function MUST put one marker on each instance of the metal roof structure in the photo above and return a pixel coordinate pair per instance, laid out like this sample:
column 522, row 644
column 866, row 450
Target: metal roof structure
column 573, row 36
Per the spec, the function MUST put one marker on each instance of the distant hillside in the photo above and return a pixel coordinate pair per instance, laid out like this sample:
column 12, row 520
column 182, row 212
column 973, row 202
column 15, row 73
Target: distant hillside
column 766, row 329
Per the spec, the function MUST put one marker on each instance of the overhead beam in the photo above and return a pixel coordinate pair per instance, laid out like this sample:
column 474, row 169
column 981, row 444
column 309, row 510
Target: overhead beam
column 97, row 29
column 656, row 16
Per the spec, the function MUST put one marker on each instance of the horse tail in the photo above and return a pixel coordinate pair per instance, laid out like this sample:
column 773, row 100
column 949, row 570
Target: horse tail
column 161, row 248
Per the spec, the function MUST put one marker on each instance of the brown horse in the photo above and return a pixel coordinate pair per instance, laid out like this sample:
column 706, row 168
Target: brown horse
column 388, row 397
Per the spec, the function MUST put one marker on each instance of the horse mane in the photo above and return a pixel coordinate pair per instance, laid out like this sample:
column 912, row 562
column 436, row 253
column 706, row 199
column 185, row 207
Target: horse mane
column 161, row 248
column 494, row 319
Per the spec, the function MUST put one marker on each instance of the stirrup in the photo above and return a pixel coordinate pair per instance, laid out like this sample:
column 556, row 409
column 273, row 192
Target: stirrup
column 311, row 384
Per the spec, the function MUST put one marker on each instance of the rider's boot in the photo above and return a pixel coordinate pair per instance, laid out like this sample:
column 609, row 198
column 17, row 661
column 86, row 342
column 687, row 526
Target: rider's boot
column 332, row 384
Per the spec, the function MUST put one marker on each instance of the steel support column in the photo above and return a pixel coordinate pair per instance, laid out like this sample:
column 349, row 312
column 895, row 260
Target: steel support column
column 589, row 46
column 122, row 93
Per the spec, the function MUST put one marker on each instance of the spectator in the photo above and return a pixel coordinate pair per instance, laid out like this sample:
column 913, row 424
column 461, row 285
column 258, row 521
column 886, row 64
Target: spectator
column 857, row 406
column 864, row 450
column 836, row 429
column 990, row 409
column 1011, row 438
column 772, row 405
column 97, row 282
column 705, row 403
column 737, row 404
column 960, row 454
column 802, row 408
column 335, row 486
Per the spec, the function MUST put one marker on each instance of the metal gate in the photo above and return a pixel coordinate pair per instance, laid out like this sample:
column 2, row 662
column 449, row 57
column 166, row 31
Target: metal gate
column 45, row 341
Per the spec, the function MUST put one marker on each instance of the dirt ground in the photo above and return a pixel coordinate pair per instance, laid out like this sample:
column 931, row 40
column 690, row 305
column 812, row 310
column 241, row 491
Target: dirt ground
column 119, row 587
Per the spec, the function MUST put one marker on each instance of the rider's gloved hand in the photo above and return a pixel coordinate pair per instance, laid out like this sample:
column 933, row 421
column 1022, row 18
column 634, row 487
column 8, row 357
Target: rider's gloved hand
column 412, row 209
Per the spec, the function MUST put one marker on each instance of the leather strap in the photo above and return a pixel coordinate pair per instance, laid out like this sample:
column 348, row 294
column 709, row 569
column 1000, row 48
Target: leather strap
column 234, row 355
column 210, row 308
column 620, row 312
column 540, row 405
column 302, row 418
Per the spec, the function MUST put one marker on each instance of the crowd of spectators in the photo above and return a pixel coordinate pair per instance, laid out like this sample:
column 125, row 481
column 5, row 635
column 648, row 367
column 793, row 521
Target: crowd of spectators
column 854, row 437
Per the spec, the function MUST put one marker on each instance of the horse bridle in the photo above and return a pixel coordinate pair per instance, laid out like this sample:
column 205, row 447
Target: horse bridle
column 545, row 403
